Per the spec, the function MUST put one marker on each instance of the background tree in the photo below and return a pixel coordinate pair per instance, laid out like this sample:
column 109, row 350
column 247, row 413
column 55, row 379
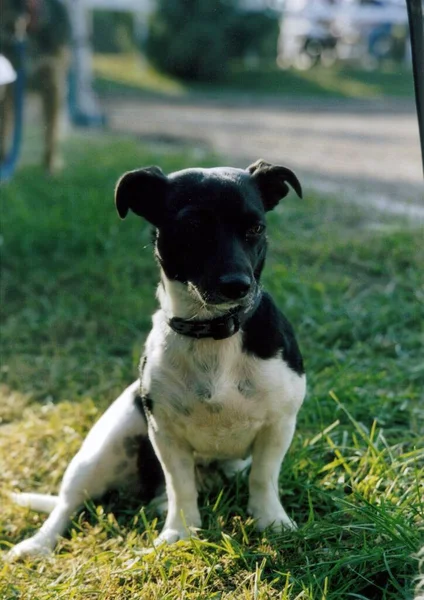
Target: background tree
column 198, row 39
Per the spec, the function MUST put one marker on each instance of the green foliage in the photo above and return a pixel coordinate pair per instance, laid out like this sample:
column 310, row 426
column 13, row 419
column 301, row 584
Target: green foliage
column 197, row 39
column 113, row 31
column 254, row 35
column 189, row 39
column 77, row 297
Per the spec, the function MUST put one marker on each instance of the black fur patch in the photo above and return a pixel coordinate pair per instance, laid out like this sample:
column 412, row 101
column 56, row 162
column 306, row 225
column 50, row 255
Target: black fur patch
column 147, row 403
column 131, row 445
column 150, row 470
column 268, row 333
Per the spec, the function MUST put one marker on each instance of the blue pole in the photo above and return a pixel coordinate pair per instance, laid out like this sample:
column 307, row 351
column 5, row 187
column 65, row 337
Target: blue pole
column 7, row 168
column 79, row 117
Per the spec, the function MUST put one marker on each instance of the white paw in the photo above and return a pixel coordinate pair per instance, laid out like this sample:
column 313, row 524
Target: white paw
column 170, row 536
column 275, row 517
column 29, row 547
column 231, row 468
column 283, row 522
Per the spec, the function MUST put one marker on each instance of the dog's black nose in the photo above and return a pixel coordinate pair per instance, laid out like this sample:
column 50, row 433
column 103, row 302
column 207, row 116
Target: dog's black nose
column 234, row 287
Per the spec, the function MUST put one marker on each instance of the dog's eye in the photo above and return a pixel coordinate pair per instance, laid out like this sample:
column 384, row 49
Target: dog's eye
column 255, row 230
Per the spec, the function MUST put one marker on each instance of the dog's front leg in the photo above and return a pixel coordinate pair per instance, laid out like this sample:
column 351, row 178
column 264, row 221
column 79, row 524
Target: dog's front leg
column 177, row 461
column 269, row 450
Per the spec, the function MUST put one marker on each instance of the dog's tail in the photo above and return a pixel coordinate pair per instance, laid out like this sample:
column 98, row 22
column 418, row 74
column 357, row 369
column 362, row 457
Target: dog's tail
column 38, row 502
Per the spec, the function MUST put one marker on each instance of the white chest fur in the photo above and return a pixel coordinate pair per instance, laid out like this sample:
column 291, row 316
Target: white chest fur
column 214, row 396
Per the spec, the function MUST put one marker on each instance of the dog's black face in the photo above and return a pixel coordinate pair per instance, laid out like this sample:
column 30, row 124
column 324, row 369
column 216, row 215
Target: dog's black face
column 210, row 224
column 214, row 239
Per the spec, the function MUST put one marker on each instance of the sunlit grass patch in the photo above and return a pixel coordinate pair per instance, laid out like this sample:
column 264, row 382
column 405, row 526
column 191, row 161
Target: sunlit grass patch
column 132, row 73
column 115, row 71
column 78, row 291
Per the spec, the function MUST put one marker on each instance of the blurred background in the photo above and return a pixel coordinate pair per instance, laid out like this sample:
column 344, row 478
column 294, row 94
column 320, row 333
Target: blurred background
column 325, row 85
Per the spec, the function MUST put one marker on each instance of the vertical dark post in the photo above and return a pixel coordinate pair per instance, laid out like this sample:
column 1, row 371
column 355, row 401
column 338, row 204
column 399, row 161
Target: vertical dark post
column 416, row 26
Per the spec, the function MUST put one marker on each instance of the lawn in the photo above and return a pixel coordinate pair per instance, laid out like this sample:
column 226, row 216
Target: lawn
column 78, row 291
column 131, row 74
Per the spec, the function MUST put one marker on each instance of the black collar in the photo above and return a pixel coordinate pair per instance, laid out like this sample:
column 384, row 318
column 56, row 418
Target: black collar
column 218, row 328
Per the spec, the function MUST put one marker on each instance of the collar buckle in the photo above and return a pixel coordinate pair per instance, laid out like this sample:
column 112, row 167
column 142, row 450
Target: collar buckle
column 225, row 329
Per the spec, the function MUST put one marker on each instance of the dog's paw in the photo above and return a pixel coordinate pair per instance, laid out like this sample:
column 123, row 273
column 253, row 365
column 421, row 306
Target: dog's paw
column 170, row 536
column 178, row 531
column 275, row 522
column 231, row 468
column 28, row 548
column 276, row 518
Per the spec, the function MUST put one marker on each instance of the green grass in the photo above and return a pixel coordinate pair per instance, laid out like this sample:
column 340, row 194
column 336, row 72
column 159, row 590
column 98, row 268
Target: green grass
column 131, row 74
column 77, row 295
column 337, row 82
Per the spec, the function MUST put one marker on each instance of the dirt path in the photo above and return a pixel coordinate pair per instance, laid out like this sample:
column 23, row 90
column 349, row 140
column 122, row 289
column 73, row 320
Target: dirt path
column 360, row 151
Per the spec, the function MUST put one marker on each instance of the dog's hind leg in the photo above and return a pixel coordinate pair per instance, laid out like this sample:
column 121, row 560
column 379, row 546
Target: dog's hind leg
column 107, row 459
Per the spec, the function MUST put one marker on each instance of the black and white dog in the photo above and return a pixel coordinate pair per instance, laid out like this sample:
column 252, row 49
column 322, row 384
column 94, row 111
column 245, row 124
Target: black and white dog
column 222, row 377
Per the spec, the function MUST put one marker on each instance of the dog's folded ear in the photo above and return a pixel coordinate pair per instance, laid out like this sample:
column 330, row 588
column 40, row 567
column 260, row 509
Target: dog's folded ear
column 272, row 182
column 143, row 191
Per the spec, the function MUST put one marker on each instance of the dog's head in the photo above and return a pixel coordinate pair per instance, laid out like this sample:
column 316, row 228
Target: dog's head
column 210, row 224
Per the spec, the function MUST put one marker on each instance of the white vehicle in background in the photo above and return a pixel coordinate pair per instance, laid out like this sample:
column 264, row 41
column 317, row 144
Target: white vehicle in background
column 362, row 32
column 7, row 72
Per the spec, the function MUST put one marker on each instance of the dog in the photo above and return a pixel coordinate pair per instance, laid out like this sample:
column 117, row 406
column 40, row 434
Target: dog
column 45, row 26
column 221, row 378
